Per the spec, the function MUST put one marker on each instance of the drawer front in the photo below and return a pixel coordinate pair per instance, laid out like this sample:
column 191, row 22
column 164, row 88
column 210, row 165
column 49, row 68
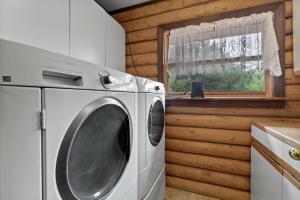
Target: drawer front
column 266, row 181
column 295, row 164
column 272, row 143
column 289, row 190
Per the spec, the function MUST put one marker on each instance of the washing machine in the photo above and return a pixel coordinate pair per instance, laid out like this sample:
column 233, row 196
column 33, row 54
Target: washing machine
column 151, row 137
column 67, row 128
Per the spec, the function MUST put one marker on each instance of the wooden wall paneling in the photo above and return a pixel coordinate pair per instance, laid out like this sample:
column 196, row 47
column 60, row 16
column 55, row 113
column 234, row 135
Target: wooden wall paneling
column 141, row 47
column 288, row 26
column 207, row 176
column 289, row 59
column 224, row 122
column 288, row 42
column 231, row 166
column 142, row 35
column 154, row 78
column 292, row 109
column 211, row 149
column 143, row 70
column 210, row 8
column 141, row 59
column 212, row 121
column 148, row 10
column 207, row 189
column 187, row 3
column 289, row 9
column 291, row 78
column 293, row 92
column 179, row 194
column 219, row 136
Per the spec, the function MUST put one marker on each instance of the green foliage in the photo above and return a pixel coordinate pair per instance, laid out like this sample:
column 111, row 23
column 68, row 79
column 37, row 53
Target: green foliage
column 230, row 80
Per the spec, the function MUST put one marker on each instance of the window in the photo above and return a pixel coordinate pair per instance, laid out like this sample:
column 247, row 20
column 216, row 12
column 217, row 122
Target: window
column 230, row 55
column 224, row 64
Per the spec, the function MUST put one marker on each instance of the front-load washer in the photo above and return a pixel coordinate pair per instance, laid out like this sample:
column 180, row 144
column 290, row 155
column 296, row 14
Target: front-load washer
column 67, row 128
column 151, row 134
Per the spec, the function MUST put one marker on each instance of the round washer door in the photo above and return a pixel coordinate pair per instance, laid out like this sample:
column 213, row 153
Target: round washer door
column 156, row 121
column 95, row 151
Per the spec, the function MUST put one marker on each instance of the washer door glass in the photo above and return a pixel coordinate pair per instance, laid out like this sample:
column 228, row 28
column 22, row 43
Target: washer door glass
column 156, row 122
column 94, row 151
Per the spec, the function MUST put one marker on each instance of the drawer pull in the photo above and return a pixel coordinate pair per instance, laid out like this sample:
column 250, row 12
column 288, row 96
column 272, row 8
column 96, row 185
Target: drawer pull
column 295, row 153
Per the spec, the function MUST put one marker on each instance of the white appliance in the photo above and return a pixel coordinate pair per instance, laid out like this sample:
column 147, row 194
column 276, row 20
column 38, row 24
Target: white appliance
column 67, row 128
column 151, row 156
column 78, row 28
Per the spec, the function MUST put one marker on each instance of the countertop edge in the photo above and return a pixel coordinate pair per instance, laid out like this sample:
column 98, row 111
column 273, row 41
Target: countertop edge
column 279, row 135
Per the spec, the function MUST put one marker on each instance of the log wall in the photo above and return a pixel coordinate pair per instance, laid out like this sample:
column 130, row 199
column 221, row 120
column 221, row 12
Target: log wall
column 207, row 149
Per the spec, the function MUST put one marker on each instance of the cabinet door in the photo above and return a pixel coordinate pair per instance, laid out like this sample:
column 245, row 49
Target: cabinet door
column 20, row 143
column 115, row 45
column 290, row 191
column 266, row 181
column 87, row 31
column 39, row 23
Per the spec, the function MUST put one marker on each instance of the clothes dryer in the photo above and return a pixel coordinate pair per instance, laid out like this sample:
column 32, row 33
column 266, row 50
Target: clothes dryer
column 67, row 128
column 151, row 134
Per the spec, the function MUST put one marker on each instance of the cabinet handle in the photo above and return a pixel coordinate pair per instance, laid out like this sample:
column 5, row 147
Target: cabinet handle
column 295, row 153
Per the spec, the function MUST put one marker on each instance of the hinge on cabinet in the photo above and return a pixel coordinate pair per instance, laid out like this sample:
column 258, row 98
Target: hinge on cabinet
column 43, row 119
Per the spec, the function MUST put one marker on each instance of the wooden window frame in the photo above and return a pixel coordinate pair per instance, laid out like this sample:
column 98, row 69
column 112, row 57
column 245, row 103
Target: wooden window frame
column 275, row 86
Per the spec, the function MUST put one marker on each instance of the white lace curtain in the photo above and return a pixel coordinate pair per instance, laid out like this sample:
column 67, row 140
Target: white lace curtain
column 205, row 47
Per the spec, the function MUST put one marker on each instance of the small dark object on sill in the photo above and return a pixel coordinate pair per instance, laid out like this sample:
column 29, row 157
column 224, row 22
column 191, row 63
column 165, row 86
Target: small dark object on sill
column 197, row 89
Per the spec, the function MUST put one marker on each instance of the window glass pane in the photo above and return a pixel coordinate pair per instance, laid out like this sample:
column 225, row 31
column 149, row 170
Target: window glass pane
column 246, row 76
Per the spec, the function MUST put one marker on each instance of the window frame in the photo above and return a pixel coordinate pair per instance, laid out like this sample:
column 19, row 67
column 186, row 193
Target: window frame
column 274, row 86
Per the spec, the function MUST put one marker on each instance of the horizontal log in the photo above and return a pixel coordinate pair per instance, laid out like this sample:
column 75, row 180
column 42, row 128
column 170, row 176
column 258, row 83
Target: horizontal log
column 230, row 166
column 141, row 47
column 289, row 59
column 222, row 122
column 210, row 8
column 288, row 42
column 291, row 78
column 210, row 149
column 207, row 189
column 154, row 78
column 209, row 135
column 207, row 176
column 148, row 10
column 292, row 92
column 288, row 9
column 210, row 121
column 141, row 59
column 143, row 35
column 179, row 194
column 292, row 109
column 187, row 3
column 288, row 26
column 143, row 70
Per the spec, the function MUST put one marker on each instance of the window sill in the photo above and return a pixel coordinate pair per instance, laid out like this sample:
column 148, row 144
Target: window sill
column 227, row 102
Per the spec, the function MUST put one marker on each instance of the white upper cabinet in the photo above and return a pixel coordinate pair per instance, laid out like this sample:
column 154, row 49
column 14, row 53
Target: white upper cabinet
column 115, row 45
column 87, row 31
column 77, row 28
column 39, row 23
